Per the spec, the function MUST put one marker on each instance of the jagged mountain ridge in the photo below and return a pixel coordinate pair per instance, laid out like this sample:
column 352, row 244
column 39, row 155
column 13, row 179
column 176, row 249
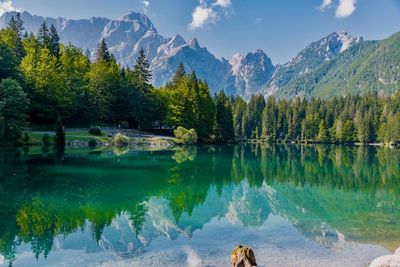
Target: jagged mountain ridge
column 126, row 35
column 313, row 72
column 315, row 54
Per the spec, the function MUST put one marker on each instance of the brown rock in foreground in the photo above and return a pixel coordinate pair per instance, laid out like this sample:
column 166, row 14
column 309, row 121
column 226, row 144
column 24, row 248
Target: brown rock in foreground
column 243, row 257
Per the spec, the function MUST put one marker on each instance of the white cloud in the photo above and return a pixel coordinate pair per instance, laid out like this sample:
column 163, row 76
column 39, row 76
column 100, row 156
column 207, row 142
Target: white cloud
column 209, row 12
column 146, row 4
column 325, row 4
column 223, row 3
column 345, row 8
column 7, row 6
column 202, row 16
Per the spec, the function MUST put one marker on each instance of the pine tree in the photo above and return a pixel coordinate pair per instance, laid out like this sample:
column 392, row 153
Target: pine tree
column 54, row 41
column 348, row 132
column 43, row 36
column 322, row 133
column 102, row 52
column 142, row 71
column 17, row 26
column 224, row 131
column 179, row 74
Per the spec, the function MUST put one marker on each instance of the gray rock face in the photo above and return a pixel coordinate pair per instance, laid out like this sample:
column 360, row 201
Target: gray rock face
column 251, row 72
column 126, row 35
column 244, row 76
column 312, row 56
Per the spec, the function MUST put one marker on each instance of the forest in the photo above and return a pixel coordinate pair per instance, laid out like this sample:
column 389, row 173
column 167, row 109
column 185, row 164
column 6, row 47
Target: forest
column 43, row 80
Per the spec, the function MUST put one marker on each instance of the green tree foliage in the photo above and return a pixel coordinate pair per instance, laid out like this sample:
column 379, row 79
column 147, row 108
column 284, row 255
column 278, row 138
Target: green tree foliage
column 13, row 108
column 189, row 104
column 252, row 123
column 224, row 131
column 322, row 133
column 239, row 111
column 60, row 80
column 16, row 28
column 54, row 41
column 142, row 71
column 102, row 52
column 8, row 61
column 43, row 36
column 185, row 136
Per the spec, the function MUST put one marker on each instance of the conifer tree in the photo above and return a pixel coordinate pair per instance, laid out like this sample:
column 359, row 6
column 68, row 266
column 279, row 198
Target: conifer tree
column 54, row 41
column 322, row 133
column 224, row 131
column 102, row 52
column 142, row 71
column 17, row 26
column 179, row 74
column 43, row 36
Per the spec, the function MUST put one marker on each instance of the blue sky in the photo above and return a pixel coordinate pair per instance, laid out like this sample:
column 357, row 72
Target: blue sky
column 279, row 27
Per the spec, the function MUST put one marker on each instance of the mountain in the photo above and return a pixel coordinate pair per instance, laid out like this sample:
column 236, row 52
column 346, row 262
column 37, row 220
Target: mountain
column 126, row 35
column 367, row 66
column 311, row 57
column 338, row 64
column 251, row 72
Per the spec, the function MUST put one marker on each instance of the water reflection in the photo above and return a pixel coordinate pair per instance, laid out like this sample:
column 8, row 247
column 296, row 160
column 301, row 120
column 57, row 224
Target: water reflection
column 124, row 201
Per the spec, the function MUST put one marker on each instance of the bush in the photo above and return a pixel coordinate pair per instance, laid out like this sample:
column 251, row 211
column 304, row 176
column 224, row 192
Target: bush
column 95, row 130
column 121, row 140
column 185, row 137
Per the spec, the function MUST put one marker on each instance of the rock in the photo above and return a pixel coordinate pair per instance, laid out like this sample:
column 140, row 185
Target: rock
column 386, row 261
column 397, row 252
column 243, row 257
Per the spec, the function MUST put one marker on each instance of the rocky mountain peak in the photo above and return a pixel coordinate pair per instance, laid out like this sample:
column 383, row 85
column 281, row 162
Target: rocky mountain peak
column 138, row 19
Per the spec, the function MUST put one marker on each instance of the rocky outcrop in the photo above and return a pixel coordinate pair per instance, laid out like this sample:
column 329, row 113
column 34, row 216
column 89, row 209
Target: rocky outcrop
column 243, row 256
column 387, row 260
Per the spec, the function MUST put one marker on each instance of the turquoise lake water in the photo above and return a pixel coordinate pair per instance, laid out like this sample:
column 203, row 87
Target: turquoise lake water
column 294, row 205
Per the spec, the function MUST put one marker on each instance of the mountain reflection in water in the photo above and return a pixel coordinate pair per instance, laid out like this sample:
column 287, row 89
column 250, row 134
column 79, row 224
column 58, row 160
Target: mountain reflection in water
column 295, row 205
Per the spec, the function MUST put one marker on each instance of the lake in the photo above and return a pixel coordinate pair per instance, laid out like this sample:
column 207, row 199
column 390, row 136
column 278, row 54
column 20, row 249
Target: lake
column 294, row 205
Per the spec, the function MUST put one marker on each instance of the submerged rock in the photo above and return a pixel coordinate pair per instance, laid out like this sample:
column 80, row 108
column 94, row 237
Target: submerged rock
column 243, row 257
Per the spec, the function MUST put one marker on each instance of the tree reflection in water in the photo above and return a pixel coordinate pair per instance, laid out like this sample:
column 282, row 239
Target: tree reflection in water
column 324, row 191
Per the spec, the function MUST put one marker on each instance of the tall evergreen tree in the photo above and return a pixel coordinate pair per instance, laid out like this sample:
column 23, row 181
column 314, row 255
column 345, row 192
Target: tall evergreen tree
column 142, row 70
column 17, row 26
column 54, row 41
column 179, row 74
column 224, row 131
column 43, row 36
column 102, row 52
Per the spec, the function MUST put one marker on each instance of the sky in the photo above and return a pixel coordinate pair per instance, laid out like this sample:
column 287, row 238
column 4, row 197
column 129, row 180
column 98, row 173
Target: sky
column 281, row 28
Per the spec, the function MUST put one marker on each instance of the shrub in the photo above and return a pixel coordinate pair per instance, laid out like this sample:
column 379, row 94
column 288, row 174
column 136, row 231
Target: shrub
column 121, row 140
column 185, row 137
column 95, row 130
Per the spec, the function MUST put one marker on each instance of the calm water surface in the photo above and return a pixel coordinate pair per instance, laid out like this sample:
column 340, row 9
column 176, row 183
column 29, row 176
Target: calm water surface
column 295, row 205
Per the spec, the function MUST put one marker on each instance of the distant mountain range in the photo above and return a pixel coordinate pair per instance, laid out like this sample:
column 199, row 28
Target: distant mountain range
column 335, row 65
